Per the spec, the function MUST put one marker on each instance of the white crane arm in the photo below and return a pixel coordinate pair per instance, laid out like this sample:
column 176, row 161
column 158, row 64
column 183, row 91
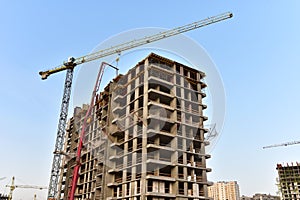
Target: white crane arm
column 134, row 43
column 31, row 186
column 282, row 144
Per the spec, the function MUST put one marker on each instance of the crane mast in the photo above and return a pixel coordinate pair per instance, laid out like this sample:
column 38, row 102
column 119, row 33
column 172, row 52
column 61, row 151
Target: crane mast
column 73, row 62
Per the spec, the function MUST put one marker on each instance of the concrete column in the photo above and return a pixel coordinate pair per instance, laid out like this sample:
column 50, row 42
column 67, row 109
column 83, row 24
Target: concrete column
column 144, row 140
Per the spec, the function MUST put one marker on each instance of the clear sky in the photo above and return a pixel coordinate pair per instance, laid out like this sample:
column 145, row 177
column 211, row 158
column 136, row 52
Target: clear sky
column 256, row 53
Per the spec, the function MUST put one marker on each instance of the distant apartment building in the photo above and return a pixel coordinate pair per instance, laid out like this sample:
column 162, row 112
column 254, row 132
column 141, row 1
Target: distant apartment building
column 145, row 139
column 224, row 191
column 289, row 181
column 265, row 197
column 3, row 197
column 260, row 197
column 243, row 197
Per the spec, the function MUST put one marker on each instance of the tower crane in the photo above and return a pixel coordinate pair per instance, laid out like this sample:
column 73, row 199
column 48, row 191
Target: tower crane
column 71, row 63
column 282, row 144
column 13, row 187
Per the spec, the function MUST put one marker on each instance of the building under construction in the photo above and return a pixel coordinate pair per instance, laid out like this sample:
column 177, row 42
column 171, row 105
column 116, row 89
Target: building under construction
column 145, row 137
column 289, row 181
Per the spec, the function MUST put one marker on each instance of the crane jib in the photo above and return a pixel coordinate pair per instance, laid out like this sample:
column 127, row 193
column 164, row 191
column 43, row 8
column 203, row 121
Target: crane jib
column 135, row 43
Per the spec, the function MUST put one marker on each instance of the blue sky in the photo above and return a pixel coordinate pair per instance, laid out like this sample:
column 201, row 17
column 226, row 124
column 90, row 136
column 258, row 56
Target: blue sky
column 256, row 53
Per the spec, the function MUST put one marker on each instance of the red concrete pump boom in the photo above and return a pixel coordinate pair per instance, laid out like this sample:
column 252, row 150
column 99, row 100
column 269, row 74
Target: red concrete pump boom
column 84, row 126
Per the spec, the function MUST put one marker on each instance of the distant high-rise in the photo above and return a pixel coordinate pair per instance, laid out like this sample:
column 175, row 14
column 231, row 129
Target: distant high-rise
column 145, row 138
column 224, row 191
column 289, row 181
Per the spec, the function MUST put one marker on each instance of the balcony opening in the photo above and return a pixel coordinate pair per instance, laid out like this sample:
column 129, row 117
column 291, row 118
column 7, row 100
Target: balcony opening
column 179, row 143
column 161, row 75
column 115, row 191
column 132, row 96
column 131, row 107
column 141, row 90
column 178, row 77
column 167, row 187
column 118, row 177
column 138, row 187
column 186, row 94
column 160, row 63
column 133, row 73
column 190, row 189
column 165, row 141
column 129, row 163
column 123, row 80
column 178, row 92
column 141, row 79
column 194, row 97
column 166, row 127
column 180, row 173
column 186, row 83
column 193, row 75
column 127, row 189
column 185, row 72
column 130, row 146
column 181, row 188
column 142, row 67
column 178, row 69
column 180, row 160
column 165, row 89
column 165, row 171
column 151, row 169
column 150, row 186
column 141, row 102
column 194, row 86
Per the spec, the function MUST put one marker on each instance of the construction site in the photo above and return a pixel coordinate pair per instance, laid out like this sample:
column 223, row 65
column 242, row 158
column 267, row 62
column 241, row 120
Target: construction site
column 156, row 100
column 141, row 137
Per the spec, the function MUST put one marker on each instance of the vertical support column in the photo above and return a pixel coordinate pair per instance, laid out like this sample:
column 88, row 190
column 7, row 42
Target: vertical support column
column 144, row 140
column 56, row 164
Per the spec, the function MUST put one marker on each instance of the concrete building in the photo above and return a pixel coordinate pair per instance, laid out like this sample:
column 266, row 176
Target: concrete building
column 3, row 197
column 260, row 197
column 265, row 197
column 224, row 191
column 289, row 181
column 145, row 139
column 243, row 197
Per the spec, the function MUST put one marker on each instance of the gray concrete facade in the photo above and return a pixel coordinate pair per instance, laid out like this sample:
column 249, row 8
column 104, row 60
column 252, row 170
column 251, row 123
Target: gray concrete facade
column 145, row 139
